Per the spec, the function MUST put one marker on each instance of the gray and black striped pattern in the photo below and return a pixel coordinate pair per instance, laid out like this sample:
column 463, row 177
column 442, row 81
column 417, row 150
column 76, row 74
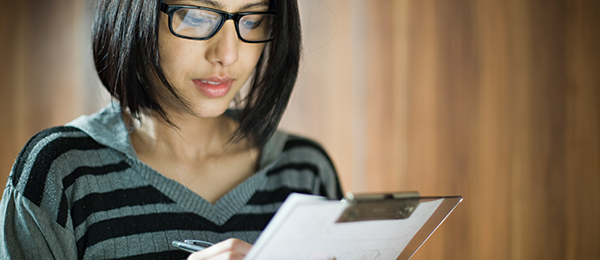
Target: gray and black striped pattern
column 72, row 196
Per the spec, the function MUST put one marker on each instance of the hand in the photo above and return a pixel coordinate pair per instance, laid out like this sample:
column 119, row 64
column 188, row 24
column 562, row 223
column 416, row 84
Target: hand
column 230, row 249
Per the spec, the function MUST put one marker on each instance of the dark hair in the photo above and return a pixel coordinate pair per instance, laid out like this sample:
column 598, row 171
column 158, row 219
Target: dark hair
column 125, row 49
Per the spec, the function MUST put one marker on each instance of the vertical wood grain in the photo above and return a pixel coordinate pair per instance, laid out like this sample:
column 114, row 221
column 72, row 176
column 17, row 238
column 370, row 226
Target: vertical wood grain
column 490, row 191
column 582, row 138
column 321, row 105
column 401, row 27
column 9, row 40
column 42, row 73
column 498, row 101
column 541, row 201
column 506, row 88
column 380, row 104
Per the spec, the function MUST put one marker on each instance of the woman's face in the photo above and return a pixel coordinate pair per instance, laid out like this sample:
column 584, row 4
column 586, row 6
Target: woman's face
column 211, row 72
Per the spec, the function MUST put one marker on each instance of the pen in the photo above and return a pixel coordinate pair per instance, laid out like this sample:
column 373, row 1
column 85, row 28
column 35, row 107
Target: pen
column 187, row 246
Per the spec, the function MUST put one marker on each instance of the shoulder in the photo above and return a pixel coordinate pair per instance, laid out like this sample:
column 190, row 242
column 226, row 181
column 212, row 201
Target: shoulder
column 46, row 153
column 53, row 160
column 302, row 150
column 306, row 160
column 296, row 142
column 284, row 144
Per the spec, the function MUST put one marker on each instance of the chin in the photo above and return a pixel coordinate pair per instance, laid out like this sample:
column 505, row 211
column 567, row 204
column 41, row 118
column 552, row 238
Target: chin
column 211, row 108
column 211, row 113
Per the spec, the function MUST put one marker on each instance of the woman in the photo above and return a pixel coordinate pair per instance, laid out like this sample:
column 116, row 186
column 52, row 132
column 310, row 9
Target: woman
column 168, row 159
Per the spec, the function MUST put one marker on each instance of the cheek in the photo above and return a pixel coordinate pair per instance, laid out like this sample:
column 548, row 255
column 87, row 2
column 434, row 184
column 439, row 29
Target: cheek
column 251, row 53
column 168, row 55
column 171, row 51
column 173, row 57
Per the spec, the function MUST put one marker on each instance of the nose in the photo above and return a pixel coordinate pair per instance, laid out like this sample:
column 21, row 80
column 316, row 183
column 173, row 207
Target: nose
column 223, row 48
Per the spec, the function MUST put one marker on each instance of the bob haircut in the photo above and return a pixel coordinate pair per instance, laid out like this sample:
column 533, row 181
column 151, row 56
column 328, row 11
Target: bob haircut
column 126, row 56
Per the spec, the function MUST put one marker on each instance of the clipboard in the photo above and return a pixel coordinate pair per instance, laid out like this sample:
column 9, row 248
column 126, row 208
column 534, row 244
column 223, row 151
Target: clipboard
column 383, row 226
column 365, row 207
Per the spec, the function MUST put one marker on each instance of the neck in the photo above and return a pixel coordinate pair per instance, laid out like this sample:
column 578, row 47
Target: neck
column 193, row 138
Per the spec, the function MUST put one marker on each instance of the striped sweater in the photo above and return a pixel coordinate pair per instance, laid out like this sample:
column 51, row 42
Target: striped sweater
column 80, row 192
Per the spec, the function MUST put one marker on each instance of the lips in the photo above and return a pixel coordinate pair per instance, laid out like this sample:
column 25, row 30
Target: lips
column 214, row 87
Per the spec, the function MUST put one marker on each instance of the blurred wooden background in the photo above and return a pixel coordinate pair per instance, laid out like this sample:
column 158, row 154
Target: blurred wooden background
column 497, row 101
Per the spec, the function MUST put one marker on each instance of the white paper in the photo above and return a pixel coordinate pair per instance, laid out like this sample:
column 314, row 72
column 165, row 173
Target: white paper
column 304, row 228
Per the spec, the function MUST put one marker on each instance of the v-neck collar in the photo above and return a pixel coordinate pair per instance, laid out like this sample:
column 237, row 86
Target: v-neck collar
column 108, row 128
column 218, row 213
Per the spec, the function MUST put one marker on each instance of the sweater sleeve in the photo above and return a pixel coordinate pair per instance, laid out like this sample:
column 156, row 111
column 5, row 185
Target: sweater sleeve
column 305, row 151
column 28, row 232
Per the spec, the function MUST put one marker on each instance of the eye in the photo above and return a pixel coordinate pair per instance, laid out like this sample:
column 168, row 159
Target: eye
column 198, row 18
column 251, row 21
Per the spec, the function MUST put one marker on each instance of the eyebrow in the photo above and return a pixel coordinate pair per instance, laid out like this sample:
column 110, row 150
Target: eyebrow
column 218, row 5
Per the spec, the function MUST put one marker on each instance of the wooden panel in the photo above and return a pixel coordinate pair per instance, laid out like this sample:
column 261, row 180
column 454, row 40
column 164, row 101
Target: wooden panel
column 582, row 133
column 498, row 101
column 9, row 42
column 489, row 193
column 380, row 103
column 496, row 113
column 502, row 109
column 42, row 70
column 538, row 207
column 442, row 101
column 321, row 105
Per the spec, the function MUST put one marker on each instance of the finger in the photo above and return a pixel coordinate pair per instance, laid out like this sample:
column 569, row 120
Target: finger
column 229, row 248
column 221, row 256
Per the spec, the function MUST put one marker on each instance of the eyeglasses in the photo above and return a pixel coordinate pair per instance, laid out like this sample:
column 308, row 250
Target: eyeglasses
column 201, row 23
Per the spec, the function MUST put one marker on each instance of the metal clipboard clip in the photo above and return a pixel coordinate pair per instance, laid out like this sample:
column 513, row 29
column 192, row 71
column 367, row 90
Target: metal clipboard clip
column 385, row 206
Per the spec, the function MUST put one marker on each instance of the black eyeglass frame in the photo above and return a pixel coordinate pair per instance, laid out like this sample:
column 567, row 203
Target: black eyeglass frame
column 171, row 9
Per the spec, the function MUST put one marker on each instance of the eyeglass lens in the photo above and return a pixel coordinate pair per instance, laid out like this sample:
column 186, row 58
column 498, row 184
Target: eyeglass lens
column 199, row 23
